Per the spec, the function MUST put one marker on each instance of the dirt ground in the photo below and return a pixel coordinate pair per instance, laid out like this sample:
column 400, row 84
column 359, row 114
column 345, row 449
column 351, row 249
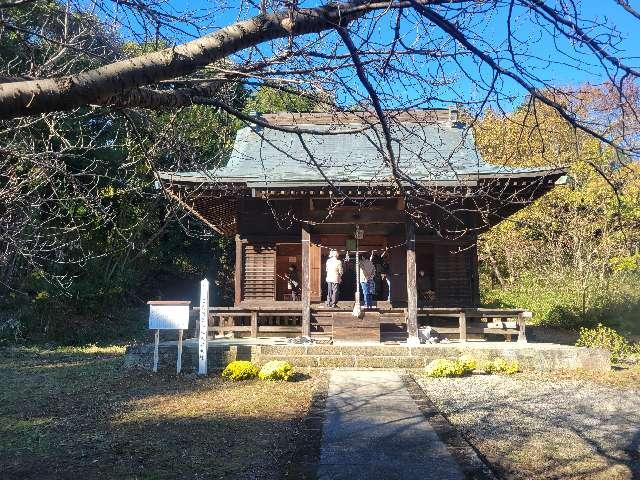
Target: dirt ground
column 77, row 414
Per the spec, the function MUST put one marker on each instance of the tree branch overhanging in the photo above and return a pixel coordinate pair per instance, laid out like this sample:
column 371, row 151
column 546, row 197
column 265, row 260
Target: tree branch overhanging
column 104, row 84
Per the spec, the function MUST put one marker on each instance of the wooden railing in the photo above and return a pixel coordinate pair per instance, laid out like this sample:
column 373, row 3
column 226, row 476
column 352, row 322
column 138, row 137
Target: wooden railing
column 500, row 321
column 256, row 320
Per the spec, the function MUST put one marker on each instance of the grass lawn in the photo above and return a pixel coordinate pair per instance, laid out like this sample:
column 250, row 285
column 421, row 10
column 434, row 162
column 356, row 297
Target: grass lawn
column 75, row 413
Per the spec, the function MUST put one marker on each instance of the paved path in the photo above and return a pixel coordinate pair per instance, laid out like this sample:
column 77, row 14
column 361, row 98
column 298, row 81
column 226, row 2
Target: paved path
column 374, row 430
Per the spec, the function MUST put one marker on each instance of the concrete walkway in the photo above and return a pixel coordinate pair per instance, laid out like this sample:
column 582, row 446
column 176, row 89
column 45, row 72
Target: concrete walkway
column 374, row 430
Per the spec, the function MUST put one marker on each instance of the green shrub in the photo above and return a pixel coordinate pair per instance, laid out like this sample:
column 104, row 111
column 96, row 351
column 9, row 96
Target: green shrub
column 469, row 364
column 634, row 355
column 561, row 301
column 276, row 370
column 500, row 365
column 605, row 337
column 240, row 370
column 442, row 367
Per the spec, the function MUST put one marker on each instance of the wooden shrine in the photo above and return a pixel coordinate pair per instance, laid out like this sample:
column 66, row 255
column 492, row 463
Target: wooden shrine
column 288, row 198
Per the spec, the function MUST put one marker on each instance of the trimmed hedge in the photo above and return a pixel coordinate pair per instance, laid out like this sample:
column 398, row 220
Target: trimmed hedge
column 469, row 364
column 240, row 370
column 276, row 370
column 442, row 367
column 465, row 365
column 500, row 365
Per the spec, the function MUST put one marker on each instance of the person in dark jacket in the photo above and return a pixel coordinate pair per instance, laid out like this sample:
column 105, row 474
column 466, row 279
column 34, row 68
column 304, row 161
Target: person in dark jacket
column 293, row 282
column 426, row 294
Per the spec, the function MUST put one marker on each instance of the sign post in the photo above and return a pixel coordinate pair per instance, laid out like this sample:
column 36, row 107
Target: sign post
column 168, row 315
column 204, row 327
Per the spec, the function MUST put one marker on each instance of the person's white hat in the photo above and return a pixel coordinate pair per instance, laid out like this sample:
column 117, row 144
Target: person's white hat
column 333, row 253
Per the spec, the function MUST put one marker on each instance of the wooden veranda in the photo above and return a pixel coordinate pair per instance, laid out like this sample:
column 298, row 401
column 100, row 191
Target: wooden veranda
column 385, row 322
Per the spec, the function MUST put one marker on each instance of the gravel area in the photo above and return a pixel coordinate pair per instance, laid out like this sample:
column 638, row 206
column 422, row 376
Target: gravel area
column 531, row 427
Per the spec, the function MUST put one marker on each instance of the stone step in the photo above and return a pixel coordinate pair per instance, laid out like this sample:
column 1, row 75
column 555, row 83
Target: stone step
column 530, row 356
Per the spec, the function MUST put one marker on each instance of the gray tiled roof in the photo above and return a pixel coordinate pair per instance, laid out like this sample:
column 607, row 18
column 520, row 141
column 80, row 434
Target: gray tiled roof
column 425, row 152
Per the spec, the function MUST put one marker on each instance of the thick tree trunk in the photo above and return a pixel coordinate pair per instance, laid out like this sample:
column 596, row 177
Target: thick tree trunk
column 119, row 83
column 112, row 83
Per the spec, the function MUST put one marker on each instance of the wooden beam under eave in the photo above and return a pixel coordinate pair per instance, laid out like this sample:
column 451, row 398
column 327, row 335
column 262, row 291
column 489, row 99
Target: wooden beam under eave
column 363, row 216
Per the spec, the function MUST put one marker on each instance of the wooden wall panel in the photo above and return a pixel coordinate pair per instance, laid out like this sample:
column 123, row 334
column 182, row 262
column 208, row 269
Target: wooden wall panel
column 259, row 272
column 453, row 277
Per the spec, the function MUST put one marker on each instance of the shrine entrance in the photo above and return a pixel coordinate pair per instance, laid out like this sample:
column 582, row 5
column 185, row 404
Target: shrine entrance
column 346, row 247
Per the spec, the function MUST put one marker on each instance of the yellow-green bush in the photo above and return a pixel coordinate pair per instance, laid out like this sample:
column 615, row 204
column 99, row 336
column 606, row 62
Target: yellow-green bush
column 240, row 370
column 634, row 356
column 442, row 367
column 276, row 370
column 469, row 364
column 500, row 365
column 607, row 338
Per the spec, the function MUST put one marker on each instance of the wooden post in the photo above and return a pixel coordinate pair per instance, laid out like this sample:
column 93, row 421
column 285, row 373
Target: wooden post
column 412, row 293
column 155, row 350
column 254, row 324
column 306, row 281
column 179, row 361
column 238, row 272
column 203, row 339
column 462, row 325
column 522, row 318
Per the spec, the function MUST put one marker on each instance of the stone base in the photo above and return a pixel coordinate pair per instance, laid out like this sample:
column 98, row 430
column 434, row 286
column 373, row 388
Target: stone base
column 531, row 356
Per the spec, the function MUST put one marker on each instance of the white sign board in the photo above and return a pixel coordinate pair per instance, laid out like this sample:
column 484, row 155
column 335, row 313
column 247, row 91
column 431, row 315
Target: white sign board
column 169, row 317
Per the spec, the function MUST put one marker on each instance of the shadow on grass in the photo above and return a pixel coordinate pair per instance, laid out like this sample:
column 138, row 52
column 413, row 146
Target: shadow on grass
column 299, row 377
column 83, row 416
column 562, row 431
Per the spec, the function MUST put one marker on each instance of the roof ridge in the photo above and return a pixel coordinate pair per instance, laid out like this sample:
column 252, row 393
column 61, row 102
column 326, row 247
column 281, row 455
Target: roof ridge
column 432, row 115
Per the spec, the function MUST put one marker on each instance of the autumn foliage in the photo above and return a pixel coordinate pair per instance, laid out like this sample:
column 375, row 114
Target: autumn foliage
column 573, row 256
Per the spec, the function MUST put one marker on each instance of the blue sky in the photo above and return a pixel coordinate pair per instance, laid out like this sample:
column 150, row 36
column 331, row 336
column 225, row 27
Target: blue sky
column 551, row 65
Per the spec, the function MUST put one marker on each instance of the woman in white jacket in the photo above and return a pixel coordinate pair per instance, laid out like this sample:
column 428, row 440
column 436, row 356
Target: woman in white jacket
column 334, row 278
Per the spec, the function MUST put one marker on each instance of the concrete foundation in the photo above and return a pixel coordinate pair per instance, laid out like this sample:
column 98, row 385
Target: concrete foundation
column 531, row 356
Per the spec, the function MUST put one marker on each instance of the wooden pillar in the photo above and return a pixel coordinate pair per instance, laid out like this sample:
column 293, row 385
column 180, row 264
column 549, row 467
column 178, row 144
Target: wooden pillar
column 254, row 323
column 238, row 272
column 462, row 325
column 412, row 293
column 306, row 281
